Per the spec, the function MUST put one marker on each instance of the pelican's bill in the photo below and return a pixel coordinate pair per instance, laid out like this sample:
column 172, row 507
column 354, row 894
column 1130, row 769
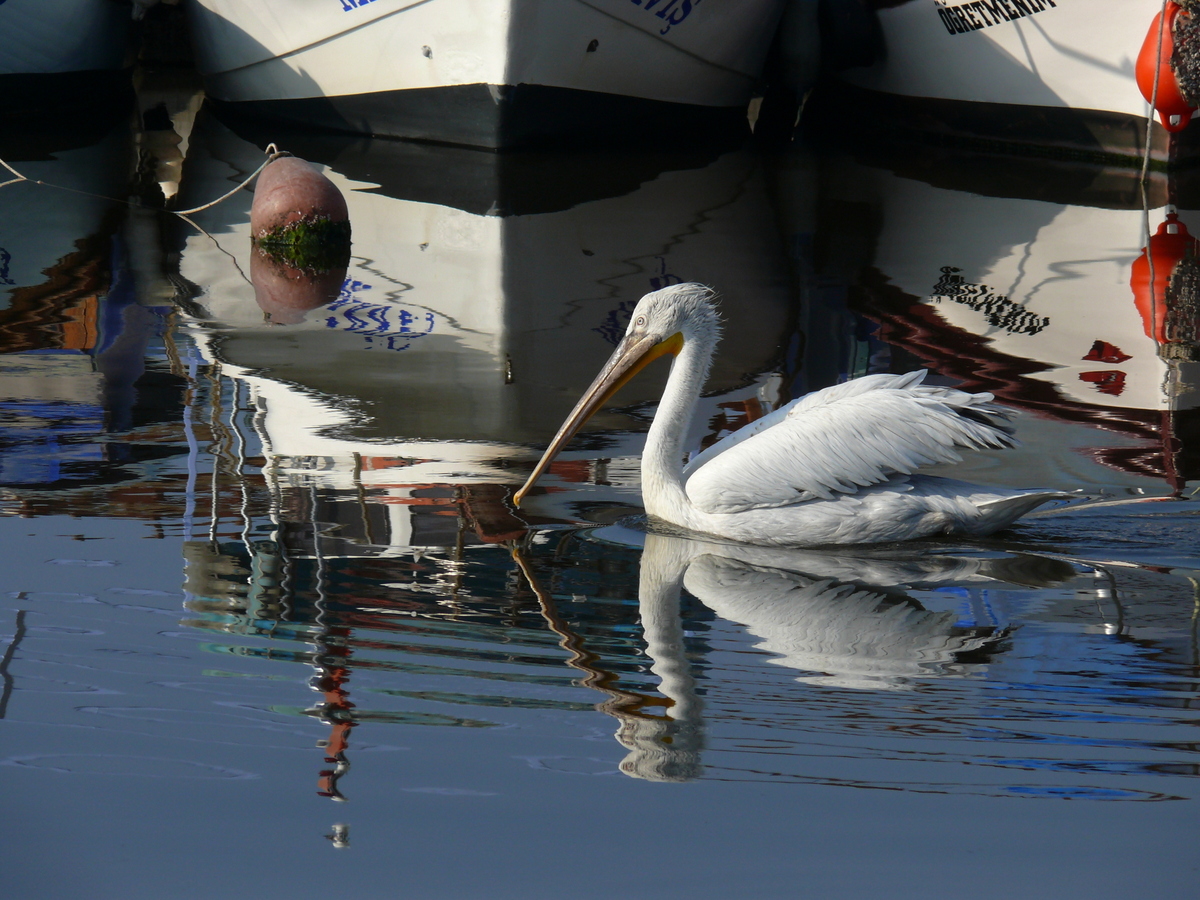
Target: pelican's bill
column 633, row 354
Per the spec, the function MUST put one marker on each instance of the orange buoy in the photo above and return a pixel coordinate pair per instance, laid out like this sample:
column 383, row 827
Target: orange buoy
column 1174, row 110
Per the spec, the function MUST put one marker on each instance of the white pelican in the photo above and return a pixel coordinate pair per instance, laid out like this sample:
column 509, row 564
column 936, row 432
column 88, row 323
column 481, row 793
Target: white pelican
column 834, row 467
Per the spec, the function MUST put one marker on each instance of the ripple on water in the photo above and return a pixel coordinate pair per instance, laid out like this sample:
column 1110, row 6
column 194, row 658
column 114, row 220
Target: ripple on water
column 962, row 670
column 125, row 766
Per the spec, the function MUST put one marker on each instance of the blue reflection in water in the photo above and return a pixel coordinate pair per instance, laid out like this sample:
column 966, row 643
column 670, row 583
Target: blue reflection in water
column 400, row 326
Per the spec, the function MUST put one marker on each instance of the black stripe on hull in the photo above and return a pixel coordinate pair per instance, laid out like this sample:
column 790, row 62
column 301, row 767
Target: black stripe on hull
column 504, row 116
column 1084, row 135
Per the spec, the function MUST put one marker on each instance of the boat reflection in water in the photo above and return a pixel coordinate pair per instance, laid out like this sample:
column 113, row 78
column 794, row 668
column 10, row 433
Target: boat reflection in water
column 1035, row 285
column 331, row 494
column 340, row 487
column 473, row 314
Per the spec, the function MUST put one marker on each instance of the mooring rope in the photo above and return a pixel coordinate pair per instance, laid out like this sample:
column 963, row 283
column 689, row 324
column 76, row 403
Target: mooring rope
column 1144, row 182
column 1162, row 24
column 273, row 153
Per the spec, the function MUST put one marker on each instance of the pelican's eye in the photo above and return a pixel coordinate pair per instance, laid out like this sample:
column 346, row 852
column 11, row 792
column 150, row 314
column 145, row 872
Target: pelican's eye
column 639, row 322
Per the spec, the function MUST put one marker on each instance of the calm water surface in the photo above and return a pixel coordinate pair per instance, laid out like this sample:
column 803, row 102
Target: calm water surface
column 271, row 627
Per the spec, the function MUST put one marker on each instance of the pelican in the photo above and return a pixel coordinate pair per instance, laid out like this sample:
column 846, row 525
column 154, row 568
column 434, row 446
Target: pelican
column 834, row 467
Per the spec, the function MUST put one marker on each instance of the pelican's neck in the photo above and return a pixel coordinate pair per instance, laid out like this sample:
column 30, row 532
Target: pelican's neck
column 662, row 460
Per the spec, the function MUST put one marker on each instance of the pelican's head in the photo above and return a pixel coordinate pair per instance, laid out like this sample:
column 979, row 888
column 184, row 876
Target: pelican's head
column 661, row 323
column 688, row 310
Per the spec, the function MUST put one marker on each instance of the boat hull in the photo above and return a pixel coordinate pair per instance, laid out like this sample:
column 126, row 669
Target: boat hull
column 63, row 58
column 1097, row 136
column 489, row 74
column 59, row 36
column 1052, row 74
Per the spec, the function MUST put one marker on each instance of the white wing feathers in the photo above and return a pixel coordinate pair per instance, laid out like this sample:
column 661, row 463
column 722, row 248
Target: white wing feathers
column 840, row 439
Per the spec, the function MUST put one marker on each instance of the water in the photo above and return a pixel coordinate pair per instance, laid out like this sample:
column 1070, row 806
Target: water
column 272, row 628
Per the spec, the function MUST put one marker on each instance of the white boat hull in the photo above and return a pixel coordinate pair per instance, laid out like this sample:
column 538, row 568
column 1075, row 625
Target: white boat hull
column 1058, row 74
column 483, row 73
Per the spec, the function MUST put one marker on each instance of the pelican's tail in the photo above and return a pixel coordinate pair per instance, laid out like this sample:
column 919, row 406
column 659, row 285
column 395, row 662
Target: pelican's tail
column 1003, row 511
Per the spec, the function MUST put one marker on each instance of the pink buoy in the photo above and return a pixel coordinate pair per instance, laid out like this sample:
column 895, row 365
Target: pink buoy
column 290, row 191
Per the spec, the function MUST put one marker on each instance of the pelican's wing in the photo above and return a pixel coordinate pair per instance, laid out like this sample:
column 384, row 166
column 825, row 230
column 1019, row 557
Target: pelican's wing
column 840, row 439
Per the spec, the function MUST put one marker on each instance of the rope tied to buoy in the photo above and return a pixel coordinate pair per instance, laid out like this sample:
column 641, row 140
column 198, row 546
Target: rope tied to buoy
column 1143, row 182
column 1162, row 20
column 273, row 153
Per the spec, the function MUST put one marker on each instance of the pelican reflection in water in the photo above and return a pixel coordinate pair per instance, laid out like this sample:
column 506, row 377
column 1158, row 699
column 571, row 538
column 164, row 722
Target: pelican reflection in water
column 839, row 621
column 834, row 467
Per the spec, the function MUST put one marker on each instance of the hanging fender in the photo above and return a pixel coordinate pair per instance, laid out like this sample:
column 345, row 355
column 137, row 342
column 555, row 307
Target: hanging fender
column 1168, row 246
column 1168, row 101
